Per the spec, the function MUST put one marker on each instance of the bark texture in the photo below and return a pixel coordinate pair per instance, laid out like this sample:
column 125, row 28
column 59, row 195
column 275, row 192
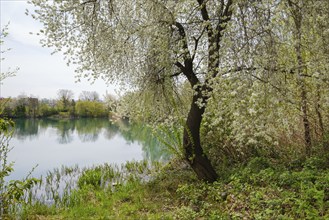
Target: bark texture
column 191, row 141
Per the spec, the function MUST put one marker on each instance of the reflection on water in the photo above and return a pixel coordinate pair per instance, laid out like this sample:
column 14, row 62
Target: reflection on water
column 86, row 142
column 88, row 130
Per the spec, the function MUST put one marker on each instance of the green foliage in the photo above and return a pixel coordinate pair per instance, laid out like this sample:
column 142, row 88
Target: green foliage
column 262, row 193
column 171, row 138
column 185, row 213
column 317, row 162
column 259, row 69
column 92, row 178
column 24, row 107
column 102, row 192
column 46, row 111
column 19, row 111
column 90, row 109
column 13, row 193
column 64, row 107
column 6, row 127
column 258, row 190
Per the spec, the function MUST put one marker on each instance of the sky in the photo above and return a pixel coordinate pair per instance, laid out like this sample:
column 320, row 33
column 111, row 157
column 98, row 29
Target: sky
column 40, row 73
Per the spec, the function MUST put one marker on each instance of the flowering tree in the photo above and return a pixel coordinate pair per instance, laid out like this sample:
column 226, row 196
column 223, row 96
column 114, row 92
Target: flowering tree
column 153, row 45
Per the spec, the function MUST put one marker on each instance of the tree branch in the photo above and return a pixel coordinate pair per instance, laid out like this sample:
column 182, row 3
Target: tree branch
column 205, row 17
column 176, row 74
column 196, row 43
column 86, row 2
column 225, row 17
column 180, row 66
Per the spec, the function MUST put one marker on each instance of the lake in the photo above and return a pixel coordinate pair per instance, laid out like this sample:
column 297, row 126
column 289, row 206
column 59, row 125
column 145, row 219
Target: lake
column 51, row 143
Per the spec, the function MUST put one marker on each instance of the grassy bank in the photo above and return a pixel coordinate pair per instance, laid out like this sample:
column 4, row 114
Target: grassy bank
column 257, row 190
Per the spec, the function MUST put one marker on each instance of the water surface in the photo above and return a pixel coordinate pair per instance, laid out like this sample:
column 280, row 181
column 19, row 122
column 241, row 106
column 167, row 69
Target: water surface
column 84, row 142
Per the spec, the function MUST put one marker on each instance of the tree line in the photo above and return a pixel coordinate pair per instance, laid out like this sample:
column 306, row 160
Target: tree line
column 89, row 104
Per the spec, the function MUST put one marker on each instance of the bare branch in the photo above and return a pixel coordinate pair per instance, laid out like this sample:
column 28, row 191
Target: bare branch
column 196, row 43
column 180, row 66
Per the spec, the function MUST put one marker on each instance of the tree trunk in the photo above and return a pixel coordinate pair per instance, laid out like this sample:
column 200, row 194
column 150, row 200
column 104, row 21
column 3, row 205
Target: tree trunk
column 191, row 142
column 325, row 142
column 307, row 130
column 298, row 17
column 191, row 139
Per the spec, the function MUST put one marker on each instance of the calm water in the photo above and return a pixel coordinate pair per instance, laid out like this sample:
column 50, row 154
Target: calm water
column 85, row 142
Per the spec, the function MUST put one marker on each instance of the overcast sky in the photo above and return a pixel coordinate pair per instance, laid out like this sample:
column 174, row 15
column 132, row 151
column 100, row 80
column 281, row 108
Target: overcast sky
column 40, row 74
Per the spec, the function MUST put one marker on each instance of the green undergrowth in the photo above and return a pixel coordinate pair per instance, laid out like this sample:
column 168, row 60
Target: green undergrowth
column 259, row 189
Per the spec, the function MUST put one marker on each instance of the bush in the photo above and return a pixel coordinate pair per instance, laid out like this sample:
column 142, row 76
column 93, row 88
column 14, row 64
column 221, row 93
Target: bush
column 90, row 109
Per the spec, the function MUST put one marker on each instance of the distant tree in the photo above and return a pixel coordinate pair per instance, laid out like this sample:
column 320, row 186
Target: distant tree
column 16, row 107
column 46, row 110
column 72, row 108
column 90, row 109
column 64, row 97
column 89, row 96
column 33, row 104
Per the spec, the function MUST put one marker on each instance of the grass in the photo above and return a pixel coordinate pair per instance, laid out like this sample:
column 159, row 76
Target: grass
column 257, row 190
